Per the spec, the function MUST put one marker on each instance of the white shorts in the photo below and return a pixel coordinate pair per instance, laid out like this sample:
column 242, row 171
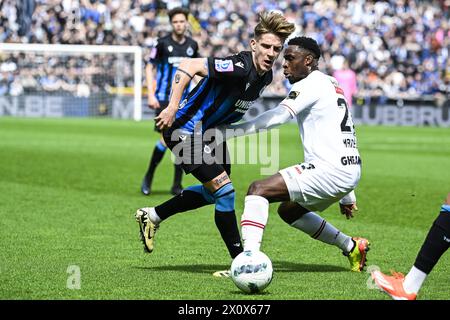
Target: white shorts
column 316, row 187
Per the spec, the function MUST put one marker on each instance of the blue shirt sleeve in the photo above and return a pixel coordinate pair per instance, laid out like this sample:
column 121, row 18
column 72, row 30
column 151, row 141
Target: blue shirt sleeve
column 237, row 66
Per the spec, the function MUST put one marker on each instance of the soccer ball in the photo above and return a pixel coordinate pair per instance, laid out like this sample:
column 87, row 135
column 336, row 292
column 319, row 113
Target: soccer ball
column 251, row 271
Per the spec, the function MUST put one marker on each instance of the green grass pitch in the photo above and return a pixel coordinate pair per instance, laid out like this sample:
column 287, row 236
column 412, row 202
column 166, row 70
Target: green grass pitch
column 69, row 189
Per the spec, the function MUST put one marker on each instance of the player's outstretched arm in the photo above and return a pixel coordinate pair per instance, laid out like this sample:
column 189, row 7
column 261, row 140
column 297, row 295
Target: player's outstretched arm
column 187, row 69
column 266, row 120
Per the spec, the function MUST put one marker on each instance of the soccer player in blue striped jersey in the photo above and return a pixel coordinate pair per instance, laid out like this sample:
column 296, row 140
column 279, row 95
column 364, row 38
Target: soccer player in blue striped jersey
column 165, row 57
column 229, row 87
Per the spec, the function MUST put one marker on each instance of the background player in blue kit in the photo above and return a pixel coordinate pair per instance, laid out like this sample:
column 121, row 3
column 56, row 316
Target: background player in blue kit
column 229, row 86
column 166, row 55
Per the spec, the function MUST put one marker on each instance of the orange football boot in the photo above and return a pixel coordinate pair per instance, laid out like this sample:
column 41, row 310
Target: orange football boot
column 392, row 285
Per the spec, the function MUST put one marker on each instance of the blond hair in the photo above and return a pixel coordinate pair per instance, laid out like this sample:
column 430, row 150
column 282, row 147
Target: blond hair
column 273, row 22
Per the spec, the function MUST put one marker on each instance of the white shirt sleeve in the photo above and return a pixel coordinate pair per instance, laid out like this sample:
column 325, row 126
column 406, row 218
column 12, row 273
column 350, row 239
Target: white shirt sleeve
column 267, row 120
column 349, row 198
column 302, row 96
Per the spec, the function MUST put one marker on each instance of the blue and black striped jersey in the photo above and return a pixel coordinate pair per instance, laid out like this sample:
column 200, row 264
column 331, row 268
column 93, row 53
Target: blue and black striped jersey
column 224, row 96
column 166, row 56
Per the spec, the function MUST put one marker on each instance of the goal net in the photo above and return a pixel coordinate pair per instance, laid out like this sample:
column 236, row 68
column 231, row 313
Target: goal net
column 53, row 80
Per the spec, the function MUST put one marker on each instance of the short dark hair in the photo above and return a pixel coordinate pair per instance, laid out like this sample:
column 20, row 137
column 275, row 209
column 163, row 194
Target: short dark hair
column 178, row 10
column 307, row 43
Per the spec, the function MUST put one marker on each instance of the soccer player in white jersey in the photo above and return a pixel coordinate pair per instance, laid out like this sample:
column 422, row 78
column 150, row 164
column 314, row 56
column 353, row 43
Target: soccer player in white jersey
column 332, row 165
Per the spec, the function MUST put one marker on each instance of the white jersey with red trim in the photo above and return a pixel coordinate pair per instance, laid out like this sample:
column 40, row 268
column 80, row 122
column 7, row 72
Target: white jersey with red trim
column 325, row 123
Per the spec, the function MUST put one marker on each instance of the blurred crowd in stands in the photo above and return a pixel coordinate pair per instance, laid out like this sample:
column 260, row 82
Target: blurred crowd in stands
column 375, row 48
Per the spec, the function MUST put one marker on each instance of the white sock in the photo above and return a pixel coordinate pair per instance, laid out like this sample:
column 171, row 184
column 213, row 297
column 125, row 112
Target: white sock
column 154, row 216
column 314, row 225
column 414, row 280
column 253, row 221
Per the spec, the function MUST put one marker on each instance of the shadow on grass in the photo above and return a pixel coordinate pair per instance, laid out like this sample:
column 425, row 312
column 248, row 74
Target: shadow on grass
column 193, row 268
column 286, row 266
column 242, row 293
column 279, row 266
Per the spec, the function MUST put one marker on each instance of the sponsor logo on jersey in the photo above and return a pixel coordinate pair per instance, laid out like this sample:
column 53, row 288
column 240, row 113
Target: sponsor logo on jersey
column 240, row 64
column 293, row 95
column 223, row 65
column 350, row 143
column 350, row 160
column 175, row 61
column 190, row 51
column 242, row 105
column 170, row 48
column 247, row 86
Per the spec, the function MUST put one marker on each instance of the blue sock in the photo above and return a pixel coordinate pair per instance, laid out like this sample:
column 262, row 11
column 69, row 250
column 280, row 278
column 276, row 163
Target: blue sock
column 200, row 189
column 225, row 219
column 160, row 146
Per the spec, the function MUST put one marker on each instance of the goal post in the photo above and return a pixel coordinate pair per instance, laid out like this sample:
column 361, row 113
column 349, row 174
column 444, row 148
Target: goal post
column 91, row 77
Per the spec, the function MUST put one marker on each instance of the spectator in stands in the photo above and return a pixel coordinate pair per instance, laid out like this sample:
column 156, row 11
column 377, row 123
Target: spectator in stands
column 375, row 37
column 347, row 80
